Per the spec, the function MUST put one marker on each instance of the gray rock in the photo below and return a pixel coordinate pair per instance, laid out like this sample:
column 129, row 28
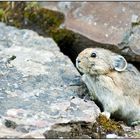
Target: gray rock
column 130, row 44
column 37, row 85
column 80, row 126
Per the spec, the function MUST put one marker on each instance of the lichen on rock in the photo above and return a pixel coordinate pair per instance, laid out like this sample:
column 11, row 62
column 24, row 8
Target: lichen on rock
column 104, row 126
column 30, row 15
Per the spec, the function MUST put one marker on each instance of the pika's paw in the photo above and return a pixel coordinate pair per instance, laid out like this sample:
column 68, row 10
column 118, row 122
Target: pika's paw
column 106, row 114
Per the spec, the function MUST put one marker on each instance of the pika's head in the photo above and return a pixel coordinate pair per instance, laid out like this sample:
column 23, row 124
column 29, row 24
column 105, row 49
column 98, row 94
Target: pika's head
column 96, row 61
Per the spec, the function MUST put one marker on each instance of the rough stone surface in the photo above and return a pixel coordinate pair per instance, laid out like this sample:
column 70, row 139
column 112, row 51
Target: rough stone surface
column 104, row 22
column 102, row 128
column 37, row 85
column 131, row 43
column 77, row 127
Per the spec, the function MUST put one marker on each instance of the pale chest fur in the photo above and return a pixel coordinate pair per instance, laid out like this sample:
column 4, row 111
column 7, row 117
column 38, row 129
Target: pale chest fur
column 113, row 93
column 102, row 88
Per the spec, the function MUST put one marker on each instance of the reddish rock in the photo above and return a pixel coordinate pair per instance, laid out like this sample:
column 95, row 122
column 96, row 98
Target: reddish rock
column 104, row 22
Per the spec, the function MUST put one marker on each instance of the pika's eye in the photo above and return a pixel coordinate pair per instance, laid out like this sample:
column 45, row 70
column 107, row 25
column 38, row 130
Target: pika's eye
column 93, row 55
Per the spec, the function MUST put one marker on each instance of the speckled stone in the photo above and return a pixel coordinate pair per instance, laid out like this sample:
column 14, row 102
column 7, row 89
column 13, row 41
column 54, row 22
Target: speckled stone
column 37, row 85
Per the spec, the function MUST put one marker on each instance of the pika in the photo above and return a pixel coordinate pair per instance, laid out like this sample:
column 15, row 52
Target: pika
column 113, row 82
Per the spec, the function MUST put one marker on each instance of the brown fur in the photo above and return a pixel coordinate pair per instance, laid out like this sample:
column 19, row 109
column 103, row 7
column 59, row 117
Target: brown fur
column 112, row 81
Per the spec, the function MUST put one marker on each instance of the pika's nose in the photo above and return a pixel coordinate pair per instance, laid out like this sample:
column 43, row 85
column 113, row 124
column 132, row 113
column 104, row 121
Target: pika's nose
column 78, row 61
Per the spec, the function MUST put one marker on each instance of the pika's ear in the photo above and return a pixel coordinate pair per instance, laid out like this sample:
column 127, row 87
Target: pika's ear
column 119, row 63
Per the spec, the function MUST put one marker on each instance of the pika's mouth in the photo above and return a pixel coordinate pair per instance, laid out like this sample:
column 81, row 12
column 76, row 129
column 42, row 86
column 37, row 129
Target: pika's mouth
column 79, row 68
column 84, row 67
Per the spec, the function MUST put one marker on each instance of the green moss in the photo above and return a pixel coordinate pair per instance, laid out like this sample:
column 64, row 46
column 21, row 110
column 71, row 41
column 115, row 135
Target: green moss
column 30, row 15
column 12, row 13
column 107, row 126
column 44, row 19
column 63, row 37
column 1, row 13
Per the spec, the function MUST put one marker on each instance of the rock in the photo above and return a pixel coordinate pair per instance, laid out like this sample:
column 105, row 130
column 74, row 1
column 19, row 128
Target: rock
column 112, row 136
column 102, row 128
column 104, row 22
column 9, row 133
column 132, row 132
column 130, row 44
column 69, row 130
column 39, row 85
column 34, row 134
column 80, row 126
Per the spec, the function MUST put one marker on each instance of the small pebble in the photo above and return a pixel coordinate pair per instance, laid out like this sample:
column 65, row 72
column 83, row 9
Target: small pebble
column 112, row 136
